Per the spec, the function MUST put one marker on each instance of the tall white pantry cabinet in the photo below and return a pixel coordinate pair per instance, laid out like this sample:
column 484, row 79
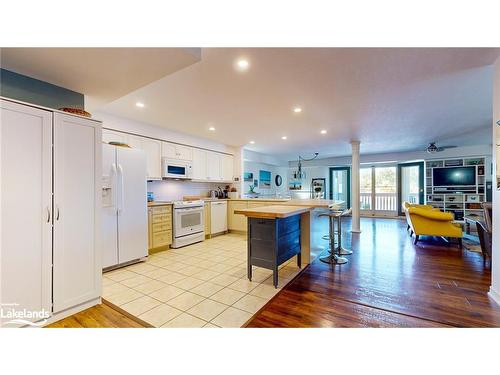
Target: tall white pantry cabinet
column 50, row 190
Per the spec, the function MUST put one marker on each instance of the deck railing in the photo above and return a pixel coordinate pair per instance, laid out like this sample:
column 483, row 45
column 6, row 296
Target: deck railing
column 383, row 201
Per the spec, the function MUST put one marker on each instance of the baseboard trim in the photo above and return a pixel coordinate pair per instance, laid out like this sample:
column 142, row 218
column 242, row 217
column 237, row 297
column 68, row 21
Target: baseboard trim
column 495, row 296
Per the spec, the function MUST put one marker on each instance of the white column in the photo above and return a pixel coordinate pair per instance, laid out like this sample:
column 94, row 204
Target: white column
column 355, row 187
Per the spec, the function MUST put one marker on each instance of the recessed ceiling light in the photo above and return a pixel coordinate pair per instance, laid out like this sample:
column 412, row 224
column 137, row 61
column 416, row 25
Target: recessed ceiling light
column 297, row 109
column 212, row 129
column 323, row 131
column 284, row 137
column 242, row 64
column 139, row 104
column 252, row 142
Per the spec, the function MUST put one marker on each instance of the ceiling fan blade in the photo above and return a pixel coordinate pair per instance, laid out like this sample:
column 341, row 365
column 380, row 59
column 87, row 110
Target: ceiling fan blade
column 445, row 147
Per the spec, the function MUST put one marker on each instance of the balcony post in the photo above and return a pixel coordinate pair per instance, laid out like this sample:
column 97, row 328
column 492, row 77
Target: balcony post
column 355, row 187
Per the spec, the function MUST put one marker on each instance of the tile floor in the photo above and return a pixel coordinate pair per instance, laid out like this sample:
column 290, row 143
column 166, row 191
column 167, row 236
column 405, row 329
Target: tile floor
column 202, row 285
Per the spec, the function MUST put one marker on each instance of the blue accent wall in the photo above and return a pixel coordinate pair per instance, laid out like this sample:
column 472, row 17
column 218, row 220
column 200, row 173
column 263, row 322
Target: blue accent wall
column 27, row 89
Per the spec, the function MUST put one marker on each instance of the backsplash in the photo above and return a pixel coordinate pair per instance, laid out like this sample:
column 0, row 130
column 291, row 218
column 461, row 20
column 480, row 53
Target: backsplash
column 171, row 190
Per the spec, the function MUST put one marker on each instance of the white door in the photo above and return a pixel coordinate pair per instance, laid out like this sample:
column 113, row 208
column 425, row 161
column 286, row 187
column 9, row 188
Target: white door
column 26, row 208
column 168, row 150
column 153, row 156
column 113, row 136
column 184, row 152
column 77, row 190
column 218, row 217
column 132, row 204
column 227, row 168
column 109, row 218
column 214, row 162
column 199, row 164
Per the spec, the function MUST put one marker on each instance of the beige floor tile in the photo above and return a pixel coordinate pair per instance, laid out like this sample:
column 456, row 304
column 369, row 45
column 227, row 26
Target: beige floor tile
column 224, row 280
column 106, row 281
column 172, row 277
column 188, row 283
column 185, row 301
column 243, row 285
column 238, row 272
column 167, row 293
column 141, row 268
column 156, row 274
column 207, row 309
column 150, row 286
column 159, row 315
column 206, row 289
column 185, row 321
column 227, row 296
column 258, row 277
column 207, row 264
column 264, row 291
column 109, row 290
column 233, row 262
column 120, row 276
column 231, row 318
column 140, row 305
column 250, row 303
column 281, row 282
column 156, row 261
column 206, row 275
column 190, row 270
column 123, row 297
column 221, row 267
column 287, row 273
column 134, row 281
column 175, row 266
column 210, row 325
column 192, row 261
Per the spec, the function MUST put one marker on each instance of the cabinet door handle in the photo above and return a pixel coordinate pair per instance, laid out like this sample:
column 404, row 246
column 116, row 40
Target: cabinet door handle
column 57, row 213
column 48, row 215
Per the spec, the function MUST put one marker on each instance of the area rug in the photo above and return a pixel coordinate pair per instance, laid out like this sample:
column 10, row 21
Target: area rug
column 472, row 244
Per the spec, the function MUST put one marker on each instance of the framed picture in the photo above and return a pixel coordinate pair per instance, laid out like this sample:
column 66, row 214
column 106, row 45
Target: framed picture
column 248, row 176
column 256, row 183
column 265, row 179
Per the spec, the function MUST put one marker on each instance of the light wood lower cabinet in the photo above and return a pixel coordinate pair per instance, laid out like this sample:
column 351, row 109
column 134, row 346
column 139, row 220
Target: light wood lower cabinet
column 234, row 221
column 207, row 218
column 160, row 226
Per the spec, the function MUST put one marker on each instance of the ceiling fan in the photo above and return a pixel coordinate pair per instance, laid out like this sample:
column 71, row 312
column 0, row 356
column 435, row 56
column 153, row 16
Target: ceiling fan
column 432, row 148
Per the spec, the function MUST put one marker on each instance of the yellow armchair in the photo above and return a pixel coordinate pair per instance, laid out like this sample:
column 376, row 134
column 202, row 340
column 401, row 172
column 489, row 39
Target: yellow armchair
column 424, row 221
column 406, row 205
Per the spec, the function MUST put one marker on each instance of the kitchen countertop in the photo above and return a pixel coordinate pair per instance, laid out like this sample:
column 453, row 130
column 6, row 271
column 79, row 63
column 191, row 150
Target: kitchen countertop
column 273, row 212
column 159, row 203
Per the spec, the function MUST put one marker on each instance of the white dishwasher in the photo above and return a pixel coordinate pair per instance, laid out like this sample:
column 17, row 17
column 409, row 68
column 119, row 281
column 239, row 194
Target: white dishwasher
column 218, row 217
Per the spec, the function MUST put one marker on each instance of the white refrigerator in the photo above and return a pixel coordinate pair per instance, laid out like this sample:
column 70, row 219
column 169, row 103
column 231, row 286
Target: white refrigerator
column 124, row 200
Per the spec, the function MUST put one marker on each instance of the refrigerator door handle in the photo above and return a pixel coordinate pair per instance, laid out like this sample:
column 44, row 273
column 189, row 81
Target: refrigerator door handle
column 114, row 186
column 120, row 176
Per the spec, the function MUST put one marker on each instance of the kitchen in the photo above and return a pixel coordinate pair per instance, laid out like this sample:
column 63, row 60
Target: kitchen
column 193, row 272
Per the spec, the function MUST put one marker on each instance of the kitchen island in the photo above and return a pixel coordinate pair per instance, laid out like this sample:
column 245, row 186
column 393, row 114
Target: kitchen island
column 277, row 232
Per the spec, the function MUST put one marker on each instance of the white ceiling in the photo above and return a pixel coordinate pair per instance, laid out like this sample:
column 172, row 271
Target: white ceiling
column 392, row 100
column 103, row 74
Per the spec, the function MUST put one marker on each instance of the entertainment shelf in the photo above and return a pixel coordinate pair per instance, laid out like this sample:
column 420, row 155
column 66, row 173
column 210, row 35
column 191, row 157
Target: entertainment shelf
column 461, row 200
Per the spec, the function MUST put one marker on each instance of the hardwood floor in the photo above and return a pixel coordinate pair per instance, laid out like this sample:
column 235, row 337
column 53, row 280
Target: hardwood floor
column 388, row 282
column 100, row 316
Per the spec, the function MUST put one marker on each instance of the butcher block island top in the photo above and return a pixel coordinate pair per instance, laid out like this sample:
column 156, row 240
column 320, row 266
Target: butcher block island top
column 273, row 212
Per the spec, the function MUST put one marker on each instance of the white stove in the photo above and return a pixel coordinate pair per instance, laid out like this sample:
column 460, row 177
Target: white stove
column 188, row 223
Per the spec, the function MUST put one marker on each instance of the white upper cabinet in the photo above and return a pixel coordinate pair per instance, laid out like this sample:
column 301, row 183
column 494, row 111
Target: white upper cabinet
column 152, row 147
column 227, row 168
column 174, row 151
column 199, row 164
column 214, row 166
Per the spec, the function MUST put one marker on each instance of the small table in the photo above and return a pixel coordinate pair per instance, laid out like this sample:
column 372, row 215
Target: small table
column 471, row 220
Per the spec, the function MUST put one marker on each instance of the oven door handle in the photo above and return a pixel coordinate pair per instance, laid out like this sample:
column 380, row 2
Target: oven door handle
column 190, row 209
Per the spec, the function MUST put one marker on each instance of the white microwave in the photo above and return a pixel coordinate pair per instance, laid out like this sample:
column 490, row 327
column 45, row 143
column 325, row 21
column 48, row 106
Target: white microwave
column 171, row 168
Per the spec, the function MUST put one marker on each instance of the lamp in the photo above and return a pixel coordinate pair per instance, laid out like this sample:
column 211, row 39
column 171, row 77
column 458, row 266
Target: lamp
column 299, row 174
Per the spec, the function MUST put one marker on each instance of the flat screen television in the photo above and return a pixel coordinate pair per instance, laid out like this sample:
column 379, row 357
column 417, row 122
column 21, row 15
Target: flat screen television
column 454, row 176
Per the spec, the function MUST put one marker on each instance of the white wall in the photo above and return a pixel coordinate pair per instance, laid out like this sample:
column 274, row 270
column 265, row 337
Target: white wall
column 495, row 268
column 253, row 162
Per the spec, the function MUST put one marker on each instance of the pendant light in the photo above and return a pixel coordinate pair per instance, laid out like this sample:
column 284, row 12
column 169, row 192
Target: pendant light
column 299, row 174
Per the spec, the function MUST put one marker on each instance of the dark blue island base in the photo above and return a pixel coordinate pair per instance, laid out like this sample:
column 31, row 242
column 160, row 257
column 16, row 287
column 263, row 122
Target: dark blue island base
column 273, row 241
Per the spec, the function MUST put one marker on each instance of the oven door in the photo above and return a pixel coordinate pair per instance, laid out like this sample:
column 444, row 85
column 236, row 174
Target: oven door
column 188, row 221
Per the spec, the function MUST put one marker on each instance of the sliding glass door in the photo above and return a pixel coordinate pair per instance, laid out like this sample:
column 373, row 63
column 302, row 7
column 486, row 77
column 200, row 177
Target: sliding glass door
column 340, row 185
column 378, row 190
column 411, row 183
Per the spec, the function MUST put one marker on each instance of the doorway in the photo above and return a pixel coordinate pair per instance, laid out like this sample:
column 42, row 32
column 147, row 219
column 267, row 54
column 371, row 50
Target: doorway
column 378, row 190
column 340, row 185
column 411, row 183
